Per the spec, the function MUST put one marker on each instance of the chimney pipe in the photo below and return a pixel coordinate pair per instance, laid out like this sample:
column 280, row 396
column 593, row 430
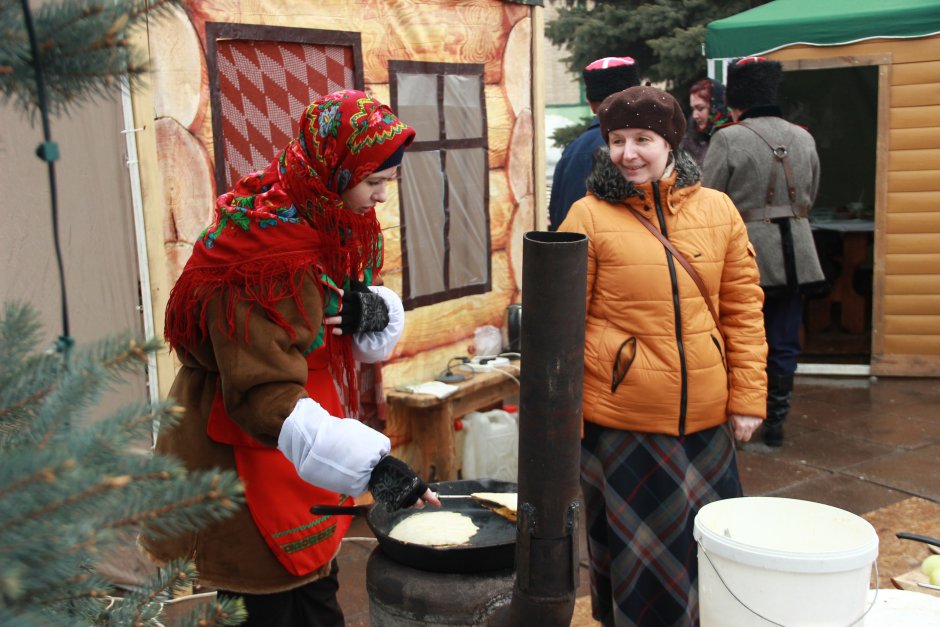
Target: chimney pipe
column 554, row 271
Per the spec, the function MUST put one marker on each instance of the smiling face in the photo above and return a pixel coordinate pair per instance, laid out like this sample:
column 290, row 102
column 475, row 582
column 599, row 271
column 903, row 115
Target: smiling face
column 640, row 154
column 364, row 196
column 699, row 111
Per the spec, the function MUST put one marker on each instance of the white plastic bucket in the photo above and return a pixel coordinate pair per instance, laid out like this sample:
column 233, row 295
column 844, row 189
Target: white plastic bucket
column 777, row 561
column 491, row 446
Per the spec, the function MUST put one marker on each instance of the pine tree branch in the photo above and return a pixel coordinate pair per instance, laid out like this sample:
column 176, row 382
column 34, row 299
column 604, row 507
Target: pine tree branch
column 74, row 35
column 47, row 475
column 217, row 495
column 109, row 358
column 106, row 484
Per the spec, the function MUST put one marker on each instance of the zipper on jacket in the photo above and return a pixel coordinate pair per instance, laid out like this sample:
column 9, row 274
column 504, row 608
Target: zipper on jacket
column 683, row 370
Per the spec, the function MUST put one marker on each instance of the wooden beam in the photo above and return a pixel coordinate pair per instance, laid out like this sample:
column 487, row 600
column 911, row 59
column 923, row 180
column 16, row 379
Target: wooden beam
column 881, row 211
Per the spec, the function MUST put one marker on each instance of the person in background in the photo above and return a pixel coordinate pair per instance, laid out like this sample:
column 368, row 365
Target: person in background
column 601, row 78
column 707, row 101
column 668, row 386
column 770, row 169
column 268, row 319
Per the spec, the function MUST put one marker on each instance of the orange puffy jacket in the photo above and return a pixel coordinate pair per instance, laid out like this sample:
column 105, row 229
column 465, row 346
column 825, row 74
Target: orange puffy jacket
column 654, row 361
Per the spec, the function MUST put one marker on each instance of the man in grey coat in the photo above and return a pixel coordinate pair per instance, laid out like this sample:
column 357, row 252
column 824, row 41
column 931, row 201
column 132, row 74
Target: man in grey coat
column 770, row 169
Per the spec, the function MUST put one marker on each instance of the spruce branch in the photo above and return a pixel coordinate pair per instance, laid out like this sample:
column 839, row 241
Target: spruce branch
column 92, row 370
column 84, row 47
column 19, row 333
column 73, row 490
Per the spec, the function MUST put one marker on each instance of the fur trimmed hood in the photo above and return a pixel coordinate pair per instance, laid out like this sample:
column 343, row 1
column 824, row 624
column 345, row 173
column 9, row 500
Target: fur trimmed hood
column 607, row 183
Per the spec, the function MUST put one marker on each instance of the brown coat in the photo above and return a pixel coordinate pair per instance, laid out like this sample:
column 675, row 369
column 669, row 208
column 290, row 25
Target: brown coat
column 261, row 381
column 646, row 307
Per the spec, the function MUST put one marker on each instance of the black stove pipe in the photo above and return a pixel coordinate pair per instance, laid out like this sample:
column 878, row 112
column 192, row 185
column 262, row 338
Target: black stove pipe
column 554, row 270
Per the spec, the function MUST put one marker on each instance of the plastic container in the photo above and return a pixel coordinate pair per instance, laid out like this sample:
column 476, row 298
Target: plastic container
column 487, row 341
column 490, row 446
column 767, row 561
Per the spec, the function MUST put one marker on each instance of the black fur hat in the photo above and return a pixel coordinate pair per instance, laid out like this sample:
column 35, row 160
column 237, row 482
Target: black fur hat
column 609, row 75
column 752, row 82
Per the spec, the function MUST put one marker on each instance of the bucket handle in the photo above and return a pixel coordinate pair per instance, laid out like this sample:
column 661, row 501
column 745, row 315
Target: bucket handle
column 762, row 617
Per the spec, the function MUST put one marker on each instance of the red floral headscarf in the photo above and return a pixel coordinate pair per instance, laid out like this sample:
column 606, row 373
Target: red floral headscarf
column 288, row 220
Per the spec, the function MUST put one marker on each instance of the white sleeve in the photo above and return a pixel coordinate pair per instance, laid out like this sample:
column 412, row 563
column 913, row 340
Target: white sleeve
column 333, row 453
column 375, row 346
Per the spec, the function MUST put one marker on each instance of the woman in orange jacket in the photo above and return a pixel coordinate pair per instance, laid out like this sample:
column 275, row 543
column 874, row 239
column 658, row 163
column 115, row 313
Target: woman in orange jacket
column 670, row 379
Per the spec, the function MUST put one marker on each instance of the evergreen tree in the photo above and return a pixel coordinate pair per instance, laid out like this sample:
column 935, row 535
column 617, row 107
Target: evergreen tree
column 72, row 491
column 666, row 37
column 83, row 50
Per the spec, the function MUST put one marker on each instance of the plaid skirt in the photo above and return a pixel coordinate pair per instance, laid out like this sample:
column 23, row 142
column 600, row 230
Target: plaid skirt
column 641, row 494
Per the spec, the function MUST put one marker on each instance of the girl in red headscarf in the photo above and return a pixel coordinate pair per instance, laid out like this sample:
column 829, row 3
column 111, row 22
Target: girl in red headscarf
column 268, row 318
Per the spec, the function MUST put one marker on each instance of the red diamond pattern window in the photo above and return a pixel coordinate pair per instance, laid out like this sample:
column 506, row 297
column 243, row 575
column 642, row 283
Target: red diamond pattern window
column 264, row 86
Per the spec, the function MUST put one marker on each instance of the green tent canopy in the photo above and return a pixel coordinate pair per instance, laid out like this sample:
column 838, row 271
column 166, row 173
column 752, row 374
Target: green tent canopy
column 819, row 23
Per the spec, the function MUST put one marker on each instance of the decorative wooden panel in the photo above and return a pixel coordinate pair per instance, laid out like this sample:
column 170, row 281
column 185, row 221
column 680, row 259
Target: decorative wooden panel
column 262, row 79
column 200, row 41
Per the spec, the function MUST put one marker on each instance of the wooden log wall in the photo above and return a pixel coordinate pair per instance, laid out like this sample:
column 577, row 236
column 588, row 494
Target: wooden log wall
column 177, row 156
column 906, row 310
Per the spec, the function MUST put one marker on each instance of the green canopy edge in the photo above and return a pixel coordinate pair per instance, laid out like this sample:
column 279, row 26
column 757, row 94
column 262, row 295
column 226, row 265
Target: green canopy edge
column 820, row 23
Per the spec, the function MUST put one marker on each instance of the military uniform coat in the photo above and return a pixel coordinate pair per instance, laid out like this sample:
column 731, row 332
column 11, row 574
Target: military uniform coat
column 741, row 164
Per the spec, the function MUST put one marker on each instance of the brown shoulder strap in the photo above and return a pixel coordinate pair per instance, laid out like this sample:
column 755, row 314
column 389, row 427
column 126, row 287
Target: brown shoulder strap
column 682, row 261
column 782, row 154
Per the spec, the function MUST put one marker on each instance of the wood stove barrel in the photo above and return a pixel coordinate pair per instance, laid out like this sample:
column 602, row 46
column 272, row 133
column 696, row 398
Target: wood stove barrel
column 542, row 592
column 554, row 270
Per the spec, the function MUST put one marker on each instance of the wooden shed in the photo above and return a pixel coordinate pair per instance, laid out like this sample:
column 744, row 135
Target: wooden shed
column 230, row 79
column 872, row 69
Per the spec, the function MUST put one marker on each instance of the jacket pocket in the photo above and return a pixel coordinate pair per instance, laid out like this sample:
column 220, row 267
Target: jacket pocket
column 622, row 363
column 720, row 352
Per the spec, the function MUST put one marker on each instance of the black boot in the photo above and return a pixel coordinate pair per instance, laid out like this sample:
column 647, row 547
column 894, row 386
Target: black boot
column 779, row 393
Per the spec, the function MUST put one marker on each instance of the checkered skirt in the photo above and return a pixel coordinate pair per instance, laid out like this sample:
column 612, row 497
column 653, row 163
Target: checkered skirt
column 641, row 494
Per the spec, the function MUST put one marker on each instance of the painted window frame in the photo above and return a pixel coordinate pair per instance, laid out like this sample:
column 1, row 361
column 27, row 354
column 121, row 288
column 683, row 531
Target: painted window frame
column 442, row 144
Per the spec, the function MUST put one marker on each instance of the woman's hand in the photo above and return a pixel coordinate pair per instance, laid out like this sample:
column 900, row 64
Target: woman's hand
column 427, row 497
column 363, row 311
column 743, row 426
column 335, row 321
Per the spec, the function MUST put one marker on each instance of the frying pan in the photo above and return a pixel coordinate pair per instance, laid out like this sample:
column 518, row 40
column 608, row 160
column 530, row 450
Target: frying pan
column 493, row 547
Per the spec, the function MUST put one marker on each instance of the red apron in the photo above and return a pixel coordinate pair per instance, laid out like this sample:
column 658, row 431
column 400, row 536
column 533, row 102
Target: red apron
column 278, row 499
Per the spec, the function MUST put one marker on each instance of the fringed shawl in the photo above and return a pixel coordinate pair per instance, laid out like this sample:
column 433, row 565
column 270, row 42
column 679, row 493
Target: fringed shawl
column 287, row 222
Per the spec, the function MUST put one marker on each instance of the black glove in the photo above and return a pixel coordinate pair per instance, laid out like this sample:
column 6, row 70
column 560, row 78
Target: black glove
column 362, row 310
column 394, row 484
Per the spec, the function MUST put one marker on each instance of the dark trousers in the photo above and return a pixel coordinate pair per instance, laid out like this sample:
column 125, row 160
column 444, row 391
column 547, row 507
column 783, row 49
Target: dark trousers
column 783, row 316
column 310, row 605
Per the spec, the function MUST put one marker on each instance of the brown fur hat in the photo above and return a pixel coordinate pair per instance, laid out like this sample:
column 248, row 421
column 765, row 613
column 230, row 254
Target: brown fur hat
column 643, row 107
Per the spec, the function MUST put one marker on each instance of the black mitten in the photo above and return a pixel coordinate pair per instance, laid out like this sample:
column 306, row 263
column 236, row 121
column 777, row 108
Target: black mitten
column 358, row 286
column 362, row 310
column 394, row 484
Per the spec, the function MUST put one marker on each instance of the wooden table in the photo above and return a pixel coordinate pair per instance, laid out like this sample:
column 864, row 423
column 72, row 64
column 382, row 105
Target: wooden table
column 432, row 418
column 857, row 238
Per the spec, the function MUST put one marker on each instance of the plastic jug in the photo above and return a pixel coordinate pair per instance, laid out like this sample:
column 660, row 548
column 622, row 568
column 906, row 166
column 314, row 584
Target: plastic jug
column 491, row 446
